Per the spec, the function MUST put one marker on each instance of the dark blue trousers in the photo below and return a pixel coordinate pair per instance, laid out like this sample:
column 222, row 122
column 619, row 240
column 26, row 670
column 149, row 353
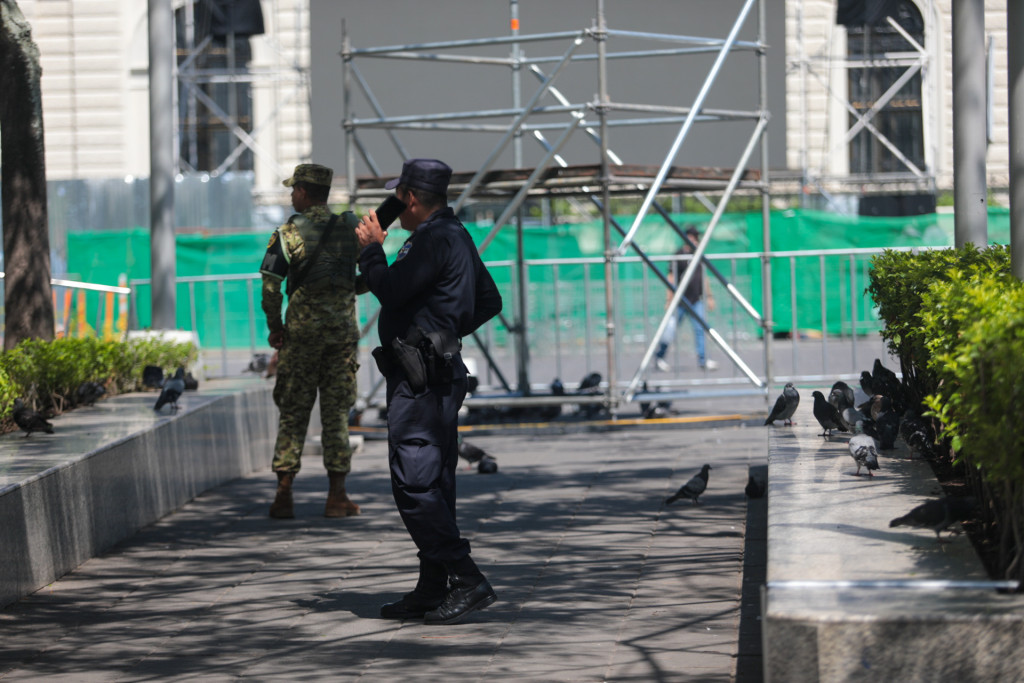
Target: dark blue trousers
column 423, row 455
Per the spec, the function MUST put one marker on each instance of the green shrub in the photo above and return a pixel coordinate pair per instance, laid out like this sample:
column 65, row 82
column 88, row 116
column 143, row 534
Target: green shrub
column 46, row 375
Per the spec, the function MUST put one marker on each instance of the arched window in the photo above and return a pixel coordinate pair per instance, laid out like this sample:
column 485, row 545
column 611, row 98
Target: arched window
column 880, row 57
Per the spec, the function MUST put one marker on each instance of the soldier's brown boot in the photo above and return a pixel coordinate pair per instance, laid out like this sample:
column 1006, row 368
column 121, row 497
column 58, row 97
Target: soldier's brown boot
column 338, row 503
column 282, row 507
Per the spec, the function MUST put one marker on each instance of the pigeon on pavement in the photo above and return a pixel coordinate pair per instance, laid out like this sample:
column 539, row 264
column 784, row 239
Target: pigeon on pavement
column 471, row 453
column 30, row 420
column 171, row 391
column 865, row 453
column 827, row 415
column 693, row 488
column 841, row 396
column 887, row 425
column 867, row 384
column 785, row 405
column 918, row 434
column 938, row 515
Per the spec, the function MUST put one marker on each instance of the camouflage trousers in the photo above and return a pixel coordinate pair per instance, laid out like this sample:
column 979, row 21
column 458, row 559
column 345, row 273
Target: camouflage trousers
column 306, row 367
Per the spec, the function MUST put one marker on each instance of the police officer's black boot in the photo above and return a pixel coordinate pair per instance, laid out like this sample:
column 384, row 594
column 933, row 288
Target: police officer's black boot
column 468, row 590
column 338, row 502
column 282, row 507
column 428, row 594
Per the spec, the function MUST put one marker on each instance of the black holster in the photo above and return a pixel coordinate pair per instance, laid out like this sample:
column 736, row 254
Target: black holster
column 425, row 358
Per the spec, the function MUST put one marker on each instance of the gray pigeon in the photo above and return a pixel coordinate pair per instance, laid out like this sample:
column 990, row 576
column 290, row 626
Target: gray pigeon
column 30, row 420
column 827, row 415
column 693, row 488
column 841, row 396
column 918, row 434
column 88, row 392
column 865, row 453
column 785, row 405
column 938, row 515
column 171, row 391
column 474, row 455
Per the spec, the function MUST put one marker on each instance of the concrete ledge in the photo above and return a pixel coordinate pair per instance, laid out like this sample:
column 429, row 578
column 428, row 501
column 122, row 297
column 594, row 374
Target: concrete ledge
column 848, row 598
column 113, row 468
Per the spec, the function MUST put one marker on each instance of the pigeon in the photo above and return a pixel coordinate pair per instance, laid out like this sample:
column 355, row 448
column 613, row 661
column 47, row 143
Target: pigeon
column 865, row 453
column 939, row 514
column 171, row 391
column 487, row 465
column 693, row 488
column 854, row 418
column 191, row 383
column 841, row 396
column 888, row 384
column 551, row 412
column 30, row 420
column 88, row 392
column 754, row 488
column 591, row 384
column 827, row 415
column 887, row 427
column 472, row 454
column 258, row 364
column 917, row 433
column 785, row 405
column 152, row 376
column 867, row 384
column 875, row 405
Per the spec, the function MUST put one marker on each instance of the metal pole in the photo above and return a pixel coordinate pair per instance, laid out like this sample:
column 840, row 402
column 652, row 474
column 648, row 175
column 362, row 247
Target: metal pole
column 601, row 37
column 346, row 116
column 766, row 218
column 1015, row 60
column 969, row 191
column 162, row 165
column 522, row 335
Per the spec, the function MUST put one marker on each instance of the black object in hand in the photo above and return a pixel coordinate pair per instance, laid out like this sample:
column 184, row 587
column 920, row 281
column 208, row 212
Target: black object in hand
column 389, row 209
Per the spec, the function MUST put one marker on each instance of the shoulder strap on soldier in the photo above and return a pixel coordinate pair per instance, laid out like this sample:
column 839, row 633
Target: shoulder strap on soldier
column 296, row 279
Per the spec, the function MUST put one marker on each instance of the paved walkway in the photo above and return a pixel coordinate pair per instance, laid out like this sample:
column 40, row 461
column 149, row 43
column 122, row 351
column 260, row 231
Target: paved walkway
column 597, row 579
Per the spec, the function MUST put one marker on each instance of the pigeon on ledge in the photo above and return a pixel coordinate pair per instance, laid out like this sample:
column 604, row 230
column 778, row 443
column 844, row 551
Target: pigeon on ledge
column 785, row 405
column 172, row 391
column 827, row 415
column 864, row 451
column 30, row 420
column 939, row 515
column 693, row 488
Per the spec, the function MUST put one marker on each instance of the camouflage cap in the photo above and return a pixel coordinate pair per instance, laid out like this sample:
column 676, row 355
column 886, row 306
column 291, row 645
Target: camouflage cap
column 310, row 173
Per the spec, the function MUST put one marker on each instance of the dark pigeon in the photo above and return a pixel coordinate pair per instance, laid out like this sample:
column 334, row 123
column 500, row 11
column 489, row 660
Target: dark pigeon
column 918, row 434
column 30, row 420
column 888, row 384
column 472, row 454
column 864, row 451
column 172, row 390
column 827, row 415
column 939, row 515
column 152, row 376
column 487, row 465
column 88, row 393
column 191, row 383
column 693, row 488
column 887, row 426
column 867, row 384
column 841, row 396
column 591, row 384
column 785, row 405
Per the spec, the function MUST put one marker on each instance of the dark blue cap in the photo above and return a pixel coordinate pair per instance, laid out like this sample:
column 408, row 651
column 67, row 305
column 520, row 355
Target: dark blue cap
column 425, row 174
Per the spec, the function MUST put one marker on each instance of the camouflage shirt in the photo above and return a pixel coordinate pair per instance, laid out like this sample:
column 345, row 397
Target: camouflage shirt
column 326, row 301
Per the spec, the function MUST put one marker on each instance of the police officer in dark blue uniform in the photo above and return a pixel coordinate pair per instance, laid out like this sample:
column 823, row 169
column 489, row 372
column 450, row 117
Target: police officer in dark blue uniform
column 436, row 291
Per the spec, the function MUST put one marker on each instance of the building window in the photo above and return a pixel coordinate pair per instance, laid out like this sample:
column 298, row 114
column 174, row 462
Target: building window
column 880, row 56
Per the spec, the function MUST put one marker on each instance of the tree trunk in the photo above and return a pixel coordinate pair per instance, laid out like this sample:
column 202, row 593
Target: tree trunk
column 27, row 297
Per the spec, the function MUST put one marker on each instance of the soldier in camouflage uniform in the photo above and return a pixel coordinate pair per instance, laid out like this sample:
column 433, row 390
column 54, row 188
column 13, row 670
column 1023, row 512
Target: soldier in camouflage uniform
column 317, row 343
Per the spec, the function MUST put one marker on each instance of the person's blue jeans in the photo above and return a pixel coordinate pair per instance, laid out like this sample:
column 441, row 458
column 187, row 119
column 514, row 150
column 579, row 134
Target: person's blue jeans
column 698, row 332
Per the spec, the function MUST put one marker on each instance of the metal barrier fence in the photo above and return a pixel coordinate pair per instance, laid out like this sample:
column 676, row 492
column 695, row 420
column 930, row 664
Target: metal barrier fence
column 826, row 325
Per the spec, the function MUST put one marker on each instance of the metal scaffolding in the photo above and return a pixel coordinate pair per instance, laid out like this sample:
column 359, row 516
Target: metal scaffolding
column 597, row 182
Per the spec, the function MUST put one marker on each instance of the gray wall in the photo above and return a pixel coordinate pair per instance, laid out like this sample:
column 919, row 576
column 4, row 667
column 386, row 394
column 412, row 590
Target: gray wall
column 405, row 87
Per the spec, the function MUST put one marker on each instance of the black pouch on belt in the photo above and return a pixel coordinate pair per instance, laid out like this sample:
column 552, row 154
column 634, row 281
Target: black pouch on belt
column 384, row 361
column 410, row 360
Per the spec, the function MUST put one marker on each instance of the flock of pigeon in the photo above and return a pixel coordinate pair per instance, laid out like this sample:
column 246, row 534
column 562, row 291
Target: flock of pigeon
column 875, row 420
column 171, row 389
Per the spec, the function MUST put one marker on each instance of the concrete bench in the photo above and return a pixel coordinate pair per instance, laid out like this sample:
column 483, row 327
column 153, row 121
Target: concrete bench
column 112, row 468
column 849, row 598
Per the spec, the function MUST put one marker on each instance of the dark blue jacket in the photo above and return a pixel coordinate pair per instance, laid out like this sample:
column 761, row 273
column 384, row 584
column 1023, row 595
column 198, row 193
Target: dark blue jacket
column 437, row 281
